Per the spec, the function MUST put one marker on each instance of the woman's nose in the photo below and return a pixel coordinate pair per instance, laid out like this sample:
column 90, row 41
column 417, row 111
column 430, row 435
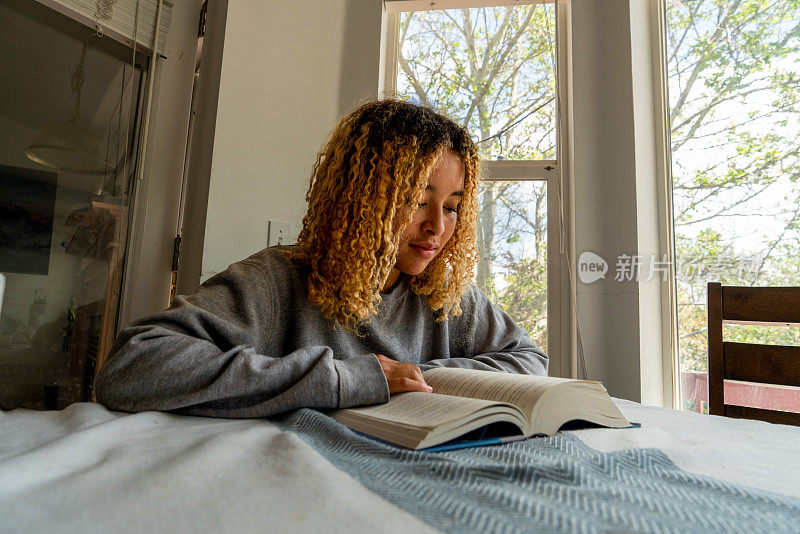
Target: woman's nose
column 434, row 221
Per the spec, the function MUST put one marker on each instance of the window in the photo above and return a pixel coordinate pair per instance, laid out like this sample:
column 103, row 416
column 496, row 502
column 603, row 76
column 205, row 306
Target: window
column 734, row 95
column 70, row 108
column 494, row 70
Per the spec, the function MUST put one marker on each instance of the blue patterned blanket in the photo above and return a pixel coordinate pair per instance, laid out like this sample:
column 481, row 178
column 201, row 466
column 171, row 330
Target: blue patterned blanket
column 553, row 484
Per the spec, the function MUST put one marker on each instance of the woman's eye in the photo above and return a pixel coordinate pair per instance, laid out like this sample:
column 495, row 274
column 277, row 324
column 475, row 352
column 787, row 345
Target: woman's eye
column 448, row 209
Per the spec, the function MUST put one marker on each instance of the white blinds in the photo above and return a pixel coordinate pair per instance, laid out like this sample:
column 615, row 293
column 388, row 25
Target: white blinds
column 118, row 19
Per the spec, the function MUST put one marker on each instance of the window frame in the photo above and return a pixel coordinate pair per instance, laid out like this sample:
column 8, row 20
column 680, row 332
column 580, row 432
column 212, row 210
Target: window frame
column 557, row 173
column 670, row 357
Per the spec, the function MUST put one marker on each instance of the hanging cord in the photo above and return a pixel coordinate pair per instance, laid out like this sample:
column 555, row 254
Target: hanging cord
column 76, row 88
column 150, row 83
column 564, row 248
column 561, row 217
column 116, row 192
column 104, row 9
column 76, row 84
column 130, row 98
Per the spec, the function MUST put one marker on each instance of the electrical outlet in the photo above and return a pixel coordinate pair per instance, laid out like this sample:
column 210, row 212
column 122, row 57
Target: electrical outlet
column 278, row 233
column 39, row 296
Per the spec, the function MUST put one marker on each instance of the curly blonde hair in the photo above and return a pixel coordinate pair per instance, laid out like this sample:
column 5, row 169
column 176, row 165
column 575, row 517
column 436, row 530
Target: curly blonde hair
column 373, row 168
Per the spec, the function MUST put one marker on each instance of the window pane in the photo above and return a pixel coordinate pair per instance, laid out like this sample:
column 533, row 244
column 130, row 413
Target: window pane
column 68, row 101
column 512, row 271
column 734, row 84
column 492, row 69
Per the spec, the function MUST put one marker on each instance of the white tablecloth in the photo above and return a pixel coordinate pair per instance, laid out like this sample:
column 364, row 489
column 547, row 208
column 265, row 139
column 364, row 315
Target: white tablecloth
column 86, row 469
column 753, row 453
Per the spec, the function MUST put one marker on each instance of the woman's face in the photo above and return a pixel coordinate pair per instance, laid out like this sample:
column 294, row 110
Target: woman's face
column 434, row 219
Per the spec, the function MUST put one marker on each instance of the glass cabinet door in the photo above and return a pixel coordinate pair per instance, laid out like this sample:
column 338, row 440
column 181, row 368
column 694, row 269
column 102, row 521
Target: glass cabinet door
column 69, row 106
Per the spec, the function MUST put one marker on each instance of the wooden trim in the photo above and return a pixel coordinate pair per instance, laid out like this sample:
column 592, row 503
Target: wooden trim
column 767, row 364
column 716, row 364
column 760, row 323
column 770, row 416
column 761, row 304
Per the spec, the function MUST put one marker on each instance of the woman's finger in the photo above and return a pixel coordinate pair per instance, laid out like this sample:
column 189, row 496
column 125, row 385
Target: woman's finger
column 404, row 384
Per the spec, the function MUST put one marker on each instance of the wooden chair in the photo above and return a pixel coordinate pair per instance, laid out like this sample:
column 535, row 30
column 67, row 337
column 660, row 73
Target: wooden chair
column 766, row 364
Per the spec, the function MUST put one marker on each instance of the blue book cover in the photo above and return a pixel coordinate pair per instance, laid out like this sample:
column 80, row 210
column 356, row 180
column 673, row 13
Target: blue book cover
column 488, row 436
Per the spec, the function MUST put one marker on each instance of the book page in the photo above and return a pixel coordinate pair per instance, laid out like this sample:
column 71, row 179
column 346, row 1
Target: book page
column 522, row 390
column 422, row 409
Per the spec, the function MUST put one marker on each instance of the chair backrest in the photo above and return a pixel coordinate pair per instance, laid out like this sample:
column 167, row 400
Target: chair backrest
column 766, row 364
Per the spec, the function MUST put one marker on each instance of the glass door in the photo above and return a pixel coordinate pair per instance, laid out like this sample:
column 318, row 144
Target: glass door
column 69, row 108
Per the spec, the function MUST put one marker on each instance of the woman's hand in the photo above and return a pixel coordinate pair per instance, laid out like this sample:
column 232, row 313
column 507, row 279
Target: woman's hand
column 402, row 377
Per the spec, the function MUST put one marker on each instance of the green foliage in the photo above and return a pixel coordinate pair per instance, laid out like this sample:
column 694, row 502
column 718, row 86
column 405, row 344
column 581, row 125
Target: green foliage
column 524, row 297
column 690, row 405
column 734, row 94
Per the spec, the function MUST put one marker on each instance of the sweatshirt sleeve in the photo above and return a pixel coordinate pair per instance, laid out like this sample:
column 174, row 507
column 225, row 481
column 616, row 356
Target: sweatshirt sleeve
column 205, row 356
column 489, row 340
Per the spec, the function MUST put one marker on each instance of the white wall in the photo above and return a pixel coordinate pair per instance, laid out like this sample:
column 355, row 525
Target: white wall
column 289, row 71
column 616, row 193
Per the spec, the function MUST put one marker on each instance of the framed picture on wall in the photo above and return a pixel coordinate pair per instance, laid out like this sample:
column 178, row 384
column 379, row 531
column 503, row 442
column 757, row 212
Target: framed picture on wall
column 27, row 207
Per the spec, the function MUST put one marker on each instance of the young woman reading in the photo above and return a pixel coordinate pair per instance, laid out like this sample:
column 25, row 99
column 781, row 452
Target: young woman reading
column 378, row 288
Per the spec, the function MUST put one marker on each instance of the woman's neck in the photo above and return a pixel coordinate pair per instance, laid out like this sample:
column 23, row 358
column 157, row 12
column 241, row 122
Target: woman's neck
column 391, row 281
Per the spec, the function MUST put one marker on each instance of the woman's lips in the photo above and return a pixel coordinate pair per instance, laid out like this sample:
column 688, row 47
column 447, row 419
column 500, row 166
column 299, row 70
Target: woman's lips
column 424, row 251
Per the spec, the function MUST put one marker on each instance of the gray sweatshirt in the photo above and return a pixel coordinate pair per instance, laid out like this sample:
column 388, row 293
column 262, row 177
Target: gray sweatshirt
column 249, row 344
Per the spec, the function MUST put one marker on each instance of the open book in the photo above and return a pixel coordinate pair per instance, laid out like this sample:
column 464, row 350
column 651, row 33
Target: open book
column 466, row 400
